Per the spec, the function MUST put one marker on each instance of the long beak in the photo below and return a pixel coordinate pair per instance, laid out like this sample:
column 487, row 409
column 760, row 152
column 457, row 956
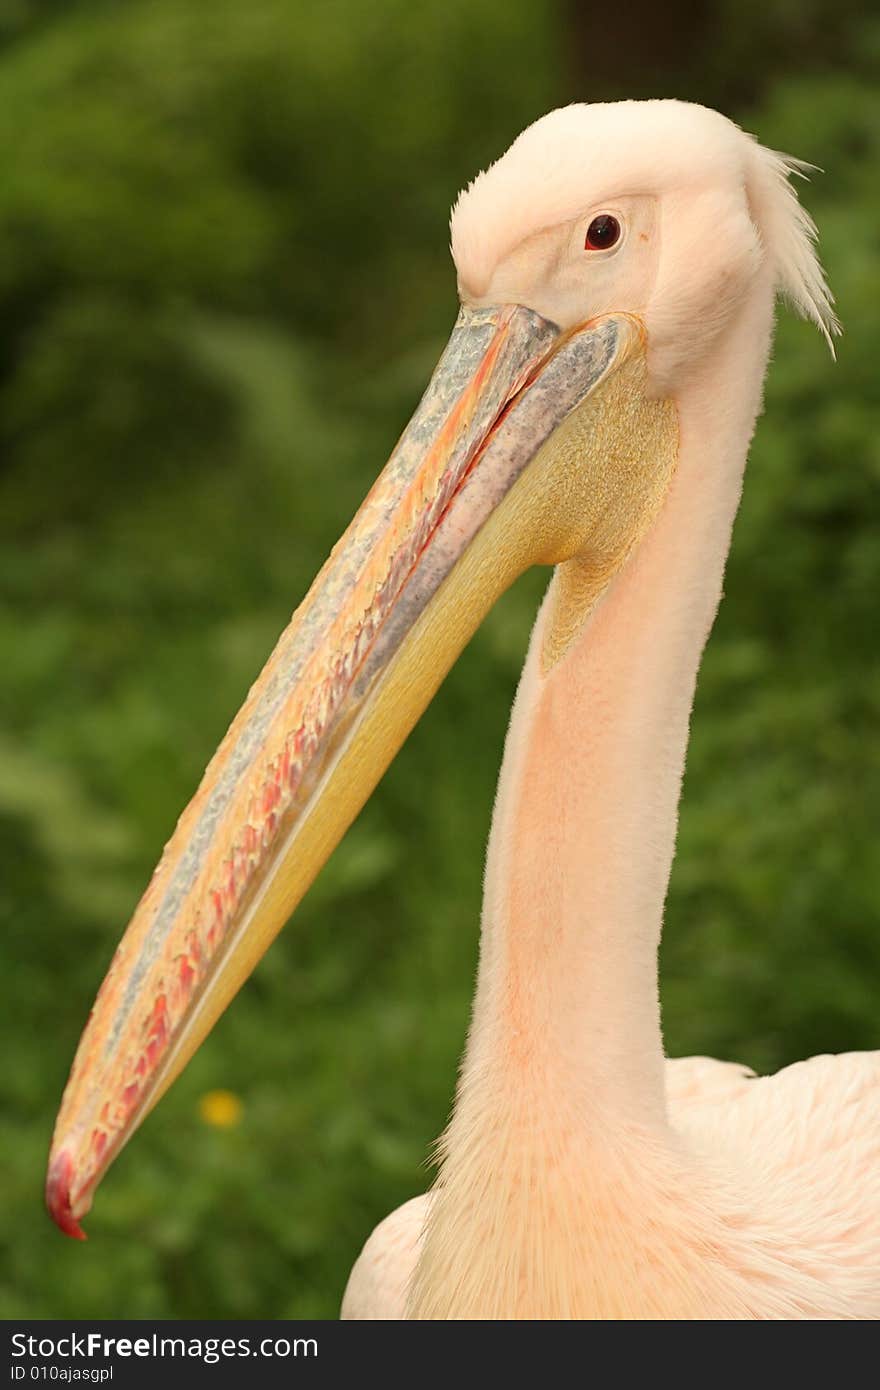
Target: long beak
column 446, row 528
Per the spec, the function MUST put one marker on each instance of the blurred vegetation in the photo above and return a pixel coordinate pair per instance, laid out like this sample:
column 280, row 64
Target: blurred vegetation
column 223, row 279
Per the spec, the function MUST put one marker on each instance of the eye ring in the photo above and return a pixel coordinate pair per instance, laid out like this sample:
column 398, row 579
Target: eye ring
column 603, row 232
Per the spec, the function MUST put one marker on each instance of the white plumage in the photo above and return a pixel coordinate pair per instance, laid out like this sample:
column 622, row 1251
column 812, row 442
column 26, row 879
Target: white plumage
column 804, row 1145
column 583, row 1176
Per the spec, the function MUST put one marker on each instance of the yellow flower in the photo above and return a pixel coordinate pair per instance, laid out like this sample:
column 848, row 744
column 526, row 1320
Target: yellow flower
column 222, row 1109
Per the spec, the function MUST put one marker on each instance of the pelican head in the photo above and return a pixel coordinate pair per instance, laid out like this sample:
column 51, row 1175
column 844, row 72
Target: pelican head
column 605, row 265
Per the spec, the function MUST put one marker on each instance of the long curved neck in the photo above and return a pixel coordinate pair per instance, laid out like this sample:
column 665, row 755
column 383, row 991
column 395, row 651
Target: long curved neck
column 565, row 1053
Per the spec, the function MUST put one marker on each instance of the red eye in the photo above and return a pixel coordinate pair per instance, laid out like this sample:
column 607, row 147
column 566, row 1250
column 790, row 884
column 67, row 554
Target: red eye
column 603, row 231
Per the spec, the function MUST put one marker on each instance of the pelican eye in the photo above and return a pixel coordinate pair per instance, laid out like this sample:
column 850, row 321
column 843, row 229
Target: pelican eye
column 603, row 231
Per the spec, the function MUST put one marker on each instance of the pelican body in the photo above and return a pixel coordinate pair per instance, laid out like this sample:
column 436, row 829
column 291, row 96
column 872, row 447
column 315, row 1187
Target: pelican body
column 617, row 270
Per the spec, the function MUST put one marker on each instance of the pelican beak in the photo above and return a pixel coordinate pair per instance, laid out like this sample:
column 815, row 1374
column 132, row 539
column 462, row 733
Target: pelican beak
column 448, row 525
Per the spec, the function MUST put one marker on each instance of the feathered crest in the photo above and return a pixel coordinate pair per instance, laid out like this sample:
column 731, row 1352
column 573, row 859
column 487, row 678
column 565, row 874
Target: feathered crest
column 578, row 154
column 789, row 235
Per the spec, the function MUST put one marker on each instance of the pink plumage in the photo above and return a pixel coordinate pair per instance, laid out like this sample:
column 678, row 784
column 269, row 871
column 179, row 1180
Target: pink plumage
column 583, row 1175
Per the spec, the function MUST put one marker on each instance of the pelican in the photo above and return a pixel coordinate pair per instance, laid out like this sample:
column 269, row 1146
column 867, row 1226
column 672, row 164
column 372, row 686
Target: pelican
column 617, row 270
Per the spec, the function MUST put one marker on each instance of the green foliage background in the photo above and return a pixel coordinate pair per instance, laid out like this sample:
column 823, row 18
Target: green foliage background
column 223, row 280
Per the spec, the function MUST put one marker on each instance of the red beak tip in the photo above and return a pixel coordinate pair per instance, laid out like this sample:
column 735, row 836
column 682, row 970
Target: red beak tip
column 58, row 1196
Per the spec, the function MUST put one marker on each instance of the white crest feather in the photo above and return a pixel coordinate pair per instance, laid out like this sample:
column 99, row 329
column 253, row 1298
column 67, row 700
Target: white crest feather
column 789, row 235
